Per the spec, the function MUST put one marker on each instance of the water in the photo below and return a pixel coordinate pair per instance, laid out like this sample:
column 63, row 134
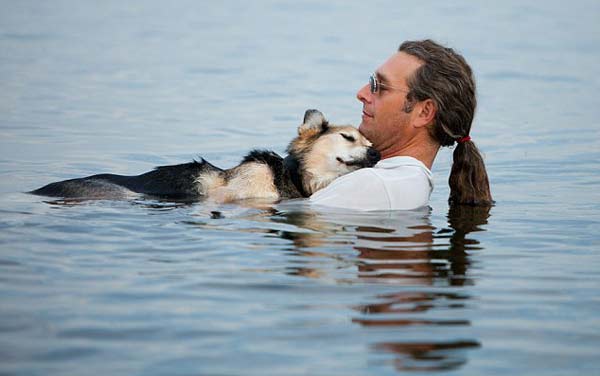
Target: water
column 147, row 287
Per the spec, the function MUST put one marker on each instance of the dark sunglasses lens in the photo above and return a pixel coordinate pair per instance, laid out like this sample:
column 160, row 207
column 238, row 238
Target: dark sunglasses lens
column 373, row 84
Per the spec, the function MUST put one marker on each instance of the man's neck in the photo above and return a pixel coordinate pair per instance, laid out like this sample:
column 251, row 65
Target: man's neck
column 424, row 152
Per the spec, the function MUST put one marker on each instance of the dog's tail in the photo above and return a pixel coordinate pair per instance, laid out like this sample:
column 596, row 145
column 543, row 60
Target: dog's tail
column 97, row 186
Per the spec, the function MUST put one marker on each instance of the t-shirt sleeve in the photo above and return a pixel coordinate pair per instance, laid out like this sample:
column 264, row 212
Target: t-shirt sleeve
column 359, row 190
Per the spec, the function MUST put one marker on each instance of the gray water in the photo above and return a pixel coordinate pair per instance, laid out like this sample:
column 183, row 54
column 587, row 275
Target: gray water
column 146, row 287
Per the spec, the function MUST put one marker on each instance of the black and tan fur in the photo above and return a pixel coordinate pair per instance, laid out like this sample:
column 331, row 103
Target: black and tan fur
column 320, row 153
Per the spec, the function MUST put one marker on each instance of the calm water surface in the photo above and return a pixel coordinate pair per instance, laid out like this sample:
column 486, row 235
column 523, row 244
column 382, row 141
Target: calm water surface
column 147, row 287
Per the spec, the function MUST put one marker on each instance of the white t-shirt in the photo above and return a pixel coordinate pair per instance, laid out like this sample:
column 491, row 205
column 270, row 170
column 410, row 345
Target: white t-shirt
column 397, row 183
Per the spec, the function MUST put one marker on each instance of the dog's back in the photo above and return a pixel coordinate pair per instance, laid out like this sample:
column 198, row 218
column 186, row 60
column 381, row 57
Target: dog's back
column 177, row 181
column 261, row 174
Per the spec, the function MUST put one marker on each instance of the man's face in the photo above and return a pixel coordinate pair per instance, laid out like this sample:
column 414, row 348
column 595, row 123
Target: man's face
column 383, row 120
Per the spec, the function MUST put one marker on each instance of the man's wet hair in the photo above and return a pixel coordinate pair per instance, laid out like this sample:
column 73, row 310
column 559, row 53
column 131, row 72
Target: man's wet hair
column 447, row 79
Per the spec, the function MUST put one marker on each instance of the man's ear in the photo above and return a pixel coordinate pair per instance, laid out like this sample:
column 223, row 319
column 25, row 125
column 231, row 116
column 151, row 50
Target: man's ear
column 314, row 122
column 425, row 112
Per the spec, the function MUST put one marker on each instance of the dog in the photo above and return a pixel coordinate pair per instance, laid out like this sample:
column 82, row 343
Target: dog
column 319, row 154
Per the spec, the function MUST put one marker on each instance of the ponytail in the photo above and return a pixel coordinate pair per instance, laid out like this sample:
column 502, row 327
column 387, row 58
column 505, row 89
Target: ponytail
column 469, row 184
column 447, row 79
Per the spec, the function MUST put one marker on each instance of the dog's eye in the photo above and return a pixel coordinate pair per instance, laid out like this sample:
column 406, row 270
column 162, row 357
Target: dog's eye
column 348, row 137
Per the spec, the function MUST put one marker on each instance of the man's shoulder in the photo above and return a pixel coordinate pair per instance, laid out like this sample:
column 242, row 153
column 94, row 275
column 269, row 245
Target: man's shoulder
column 363, row 178
column 359, row 189
column 362, row 175
column 387, row 171
column 401, row 183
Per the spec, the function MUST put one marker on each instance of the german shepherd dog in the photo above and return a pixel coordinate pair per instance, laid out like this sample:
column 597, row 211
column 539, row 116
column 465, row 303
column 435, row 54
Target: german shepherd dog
column 320, row 153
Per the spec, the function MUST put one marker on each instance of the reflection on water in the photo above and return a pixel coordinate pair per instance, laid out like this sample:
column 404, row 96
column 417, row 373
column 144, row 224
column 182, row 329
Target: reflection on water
column 428, row 356
column 403, row 249
column 415, row 259
column 400, row 250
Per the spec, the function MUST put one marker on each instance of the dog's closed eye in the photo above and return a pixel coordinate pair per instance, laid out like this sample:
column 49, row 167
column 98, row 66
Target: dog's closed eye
column 348, row 137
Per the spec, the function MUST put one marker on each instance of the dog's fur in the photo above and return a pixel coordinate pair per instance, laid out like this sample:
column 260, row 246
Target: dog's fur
column 320, row 153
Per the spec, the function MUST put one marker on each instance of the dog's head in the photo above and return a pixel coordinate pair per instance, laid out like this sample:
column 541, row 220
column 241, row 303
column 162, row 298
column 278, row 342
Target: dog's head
column 326, row 152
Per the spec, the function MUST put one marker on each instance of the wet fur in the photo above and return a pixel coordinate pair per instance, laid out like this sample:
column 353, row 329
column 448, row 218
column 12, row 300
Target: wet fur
column 313, row 162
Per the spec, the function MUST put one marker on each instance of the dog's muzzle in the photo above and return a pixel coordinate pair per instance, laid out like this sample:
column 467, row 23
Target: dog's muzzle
column 370, row 159
column 373, row 157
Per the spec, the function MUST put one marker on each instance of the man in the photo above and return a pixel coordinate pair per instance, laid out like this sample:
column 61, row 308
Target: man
column 421, row 98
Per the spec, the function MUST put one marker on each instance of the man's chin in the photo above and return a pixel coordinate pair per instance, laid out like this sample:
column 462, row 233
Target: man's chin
column 366, row 129
column 363, row 127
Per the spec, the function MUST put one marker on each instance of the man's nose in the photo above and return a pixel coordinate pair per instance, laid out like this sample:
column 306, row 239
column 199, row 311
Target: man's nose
column 364, row 94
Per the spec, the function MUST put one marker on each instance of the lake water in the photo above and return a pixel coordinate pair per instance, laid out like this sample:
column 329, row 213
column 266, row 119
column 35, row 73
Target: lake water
column 147, row 287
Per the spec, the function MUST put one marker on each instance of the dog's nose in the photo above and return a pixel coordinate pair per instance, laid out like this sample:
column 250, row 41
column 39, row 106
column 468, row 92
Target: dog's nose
column 373, row 155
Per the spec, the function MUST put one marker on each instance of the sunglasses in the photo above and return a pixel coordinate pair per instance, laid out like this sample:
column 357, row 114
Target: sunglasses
column 376, row 85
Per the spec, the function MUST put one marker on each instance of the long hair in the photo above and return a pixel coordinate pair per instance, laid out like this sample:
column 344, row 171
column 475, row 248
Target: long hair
column 446, row 78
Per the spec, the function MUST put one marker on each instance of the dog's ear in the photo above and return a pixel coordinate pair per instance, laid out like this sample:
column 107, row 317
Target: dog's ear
column 314, row 122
